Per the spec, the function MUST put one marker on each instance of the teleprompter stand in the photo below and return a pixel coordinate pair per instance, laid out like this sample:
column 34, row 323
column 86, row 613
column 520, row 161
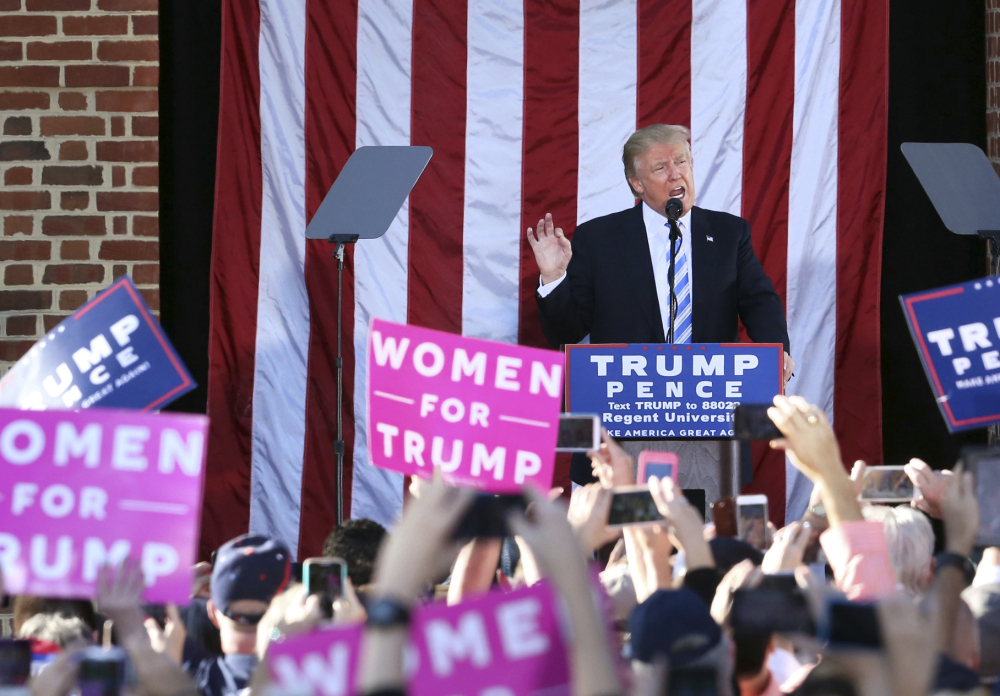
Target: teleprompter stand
column 965, row 191
column 361, row 204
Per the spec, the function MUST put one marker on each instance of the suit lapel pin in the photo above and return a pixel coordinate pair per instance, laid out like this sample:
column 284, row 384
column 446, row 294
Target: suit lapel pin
column 709, row 238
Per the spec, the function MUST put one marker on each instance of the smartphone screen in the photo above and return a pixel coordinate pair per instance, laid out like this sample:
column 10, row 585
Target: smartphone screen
column 751, row 422
column 696, row 496
column 985, row 464
column 660, row 470
column 102, row 672
column 633, row 507
column 851, row 625
column 578, row 433
column 15, row 662
column 886, row 484
column 324, row 577
column 752, row 519
column 486, row 518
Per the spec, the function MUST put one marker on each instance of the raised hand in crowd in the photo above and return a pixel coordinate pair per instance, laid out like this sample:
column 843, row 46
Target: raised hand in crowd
column 588, row 515
column 168, row 640
column 612, row 465
column 788, row 549
column 408, row 560
column 933, row 486
column 742, row 576
column 291, row 612
column 58, row 678
column 683, row 522
column 201, row 586
column 119, row 597
column 960, row 512
column 649, row 552
column 812, row 448
column 552, row 249
column 554, row 543
column 908, row 636
column 474, row 569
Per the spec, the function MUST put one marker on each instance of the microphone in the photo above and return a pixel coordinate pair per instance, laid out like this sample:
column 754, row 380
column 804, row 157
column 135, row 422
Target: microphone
column 674, row 209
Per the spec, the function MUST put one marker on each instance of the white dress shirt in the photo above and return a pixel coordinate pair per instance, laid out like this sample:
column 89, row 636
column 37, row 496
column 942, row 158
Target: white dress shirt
column 658, row 237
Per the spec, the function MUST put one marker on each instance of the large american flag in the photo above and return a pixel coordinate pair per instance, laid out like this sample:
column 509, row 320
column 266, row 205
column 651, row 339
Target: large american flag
column 527, row 105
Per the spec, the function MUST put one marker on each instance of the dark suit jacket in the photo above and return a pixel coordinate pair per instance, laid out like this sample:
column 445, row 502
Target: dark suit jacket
column 610, row 292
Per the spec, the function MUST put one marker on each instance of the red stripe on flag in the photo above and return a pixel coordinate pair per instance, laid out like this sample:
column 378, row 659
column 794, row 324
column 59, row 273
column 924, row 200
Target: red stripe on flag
column 863, row 137
column 664, row 63
column 233, row 294
column 331, row 79
column 767, row 159
column 437, row 203
column 550, row 141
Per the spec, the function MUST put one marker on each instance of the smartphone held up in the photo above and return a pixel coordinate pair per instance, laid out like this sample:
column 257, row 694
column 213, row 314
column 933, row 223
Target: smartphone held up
column 578, row 433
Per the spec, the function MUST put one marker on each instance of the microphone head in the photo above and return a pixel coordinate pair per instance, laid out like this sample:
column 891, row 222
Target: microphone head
column 674, row 209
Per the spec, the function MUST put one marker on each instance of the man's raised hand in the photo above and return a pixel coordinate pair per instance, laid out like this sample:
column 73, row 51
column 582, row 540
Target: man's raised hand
column 552, row 249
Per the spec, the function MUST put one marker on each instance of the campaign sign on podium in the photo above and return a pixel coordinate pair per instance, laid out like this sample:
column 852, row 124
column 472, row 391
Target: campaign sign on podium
column 957, row 332
column 654, row 391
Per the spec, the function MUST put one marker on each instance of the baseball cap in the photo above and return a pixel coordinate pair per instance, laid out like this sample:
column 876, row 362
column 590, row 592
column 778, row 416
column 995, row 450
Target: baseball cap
column 249, row 567
column 674, row 623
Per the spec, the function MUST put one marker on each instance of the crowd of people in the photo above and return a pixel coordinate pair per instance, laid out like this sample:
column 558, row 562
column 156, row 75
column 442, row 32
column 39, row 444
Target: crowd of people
column 691, row 611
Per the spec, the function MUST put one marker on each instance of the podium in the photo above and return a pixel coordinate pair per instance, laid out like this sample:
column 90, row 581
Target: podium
column 673, row 391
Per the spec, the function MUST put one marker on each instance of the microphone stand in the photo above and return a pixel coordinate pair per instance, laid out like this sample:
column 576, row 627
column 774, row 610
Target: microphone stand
column 675, row 234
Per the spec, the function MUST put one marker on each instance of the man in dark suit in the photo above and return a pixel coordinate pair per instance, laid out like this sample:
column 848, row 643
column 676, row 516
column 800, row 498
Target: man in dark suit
column 611, row 282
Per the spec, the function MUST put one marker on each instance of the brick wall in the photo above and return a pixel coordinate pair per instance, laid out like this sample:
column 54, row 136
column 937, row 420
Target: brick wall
column 993, row 81
column 78, row 157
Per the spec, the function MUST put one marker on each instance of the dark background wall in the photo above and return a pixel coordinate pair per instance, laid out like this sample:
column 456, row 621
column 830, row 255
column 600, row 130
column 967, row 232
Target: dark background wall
column 189, row 115
column 937, row 92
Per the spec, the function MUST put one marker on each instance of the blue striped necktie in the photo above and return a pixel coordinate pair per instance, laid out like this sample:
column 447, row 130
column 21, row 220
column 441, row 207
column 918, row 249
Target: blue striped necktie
column 682, row 289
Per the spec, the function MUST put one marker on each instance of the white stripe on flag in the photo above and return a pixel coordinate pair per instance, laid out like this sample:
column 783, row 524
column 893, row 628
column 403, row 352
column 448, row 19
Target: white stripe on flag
column 493, row 143
column 718, row 101
column 380, row 265
column 607, row 104
column 282, row 341
column 812, row 217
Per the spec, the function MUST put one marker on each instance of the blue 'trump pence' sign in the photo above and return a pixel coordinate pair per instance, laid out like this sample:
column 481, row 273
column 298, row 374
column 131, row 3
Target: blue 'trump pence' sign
column 111, row 352
column 664, row 391
column 957, row 332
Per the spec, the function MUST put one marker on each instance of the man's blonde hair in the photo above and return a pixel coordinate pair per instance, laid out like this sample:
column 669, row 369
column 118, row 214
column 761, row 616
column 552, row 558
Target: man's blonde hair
column 650, row 136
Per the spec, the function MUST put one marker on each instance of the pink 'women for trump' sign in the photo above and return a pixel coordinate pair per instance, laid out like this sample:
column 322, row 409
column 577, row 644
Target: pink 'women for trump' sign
column 79, row 489
column 485, row 413
column 499, row 643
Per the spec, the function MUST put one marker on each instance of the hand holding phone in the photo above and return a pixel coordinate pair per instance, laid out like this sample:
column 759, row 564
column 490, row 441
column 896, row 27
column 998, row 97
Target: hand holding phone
column 486, row 518
column 887, row 484
column 984, row 464
column 102, row 671
column 633, row 506
column 662, row 465
column 751, row 520
column 325, row 577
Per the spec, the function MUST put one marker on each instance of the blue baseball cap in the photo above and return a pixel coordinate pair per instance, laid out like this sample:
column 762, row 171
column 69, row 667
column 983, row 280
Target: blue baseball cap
column 249, row 567
column 674, row 623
